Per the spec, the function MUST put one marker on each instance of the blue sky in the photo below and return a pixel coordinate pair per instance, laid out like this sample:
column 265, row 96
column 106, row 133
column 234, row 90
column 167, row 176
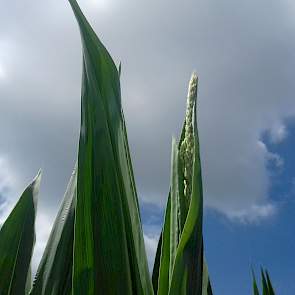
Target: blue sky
column 244, row 54
column 232, row 248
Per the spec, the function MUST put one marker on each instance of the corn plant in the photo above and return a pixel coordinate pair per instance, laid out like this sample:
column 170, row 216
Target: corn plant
column 179, row 266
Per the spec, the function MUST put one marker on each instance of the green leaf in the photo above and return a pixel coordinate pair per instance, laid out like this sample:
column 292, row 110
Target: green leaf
column 206, row 284
column 269, row 284
column 181, row 243
column 255, row 287
column 187, row 276
column 17, row 239
column 170, row 234
column 109, row 250
column 164, row 263
column 188, row 266
column 54, row 275
column 175, row 227
column 156, row 268
column 265, row 290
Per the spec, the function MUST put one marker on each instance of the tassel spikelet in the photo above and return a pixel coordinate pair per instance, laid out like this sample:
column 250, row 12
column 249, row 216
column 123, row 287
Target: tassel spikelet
column 187, row 146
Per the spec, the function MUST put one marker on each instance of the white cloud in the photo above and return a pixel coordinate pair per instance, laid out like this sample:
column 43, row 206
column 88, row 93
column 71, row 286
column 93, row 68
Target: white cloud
column 8, row 188
column 151, row 243
column 43, row 226
column 278, row 132
column 271, row 157
column 253, row 214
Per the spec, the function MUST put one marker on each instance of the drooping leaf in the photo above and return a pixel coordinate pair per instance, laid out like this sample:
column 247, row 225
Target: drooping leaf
column 109, row 250
column 17, row 239
column 54, row 274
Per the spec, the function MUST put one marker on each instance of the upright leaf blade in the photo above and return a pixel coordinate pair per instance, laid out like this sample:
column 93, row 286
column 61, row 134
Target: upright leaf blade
column 269, row 284
column 255, row 287
column 157, row 264
column 17, row 239
column 265, row 290
column 109, row 252
column 54, row 274
column 164, row 263
column 206, row 284
column 175, row 226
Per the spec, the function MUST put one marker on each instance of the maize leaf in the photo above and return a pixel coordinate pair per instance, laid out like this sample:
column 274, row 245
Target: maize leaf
column 17, row 239
column 164, row 264
column 255, row 287
column 206, row 284
column 170, row 230
column 54, row 274
column 156, row 268
column 109, row 250
column 269, row 284
column 265, row 290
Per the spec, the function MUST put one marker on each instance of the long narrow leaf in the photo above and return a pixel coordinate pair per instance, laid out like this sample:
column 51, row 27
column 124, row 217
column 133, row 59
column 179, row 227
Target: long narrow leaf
column 255, row 287
column 54, row 274
column 175, row 226
column 164, row 264
column 206, row 285
column 17, row 239
column 269, row 284
column 157, row 264
column 265, row 290
column 109, row 251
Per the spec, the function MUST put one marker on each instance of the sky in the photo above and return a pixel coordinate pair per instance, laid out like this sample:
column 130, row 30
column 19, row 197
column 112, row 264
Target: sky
column 244, row 54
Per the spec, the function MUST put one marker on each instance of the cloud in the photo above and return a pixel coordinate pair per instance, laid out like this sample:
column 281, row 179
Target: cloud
column 8, row 188
column 151, row 243
column 254, row 214
column 278, row 133
column 44, row 224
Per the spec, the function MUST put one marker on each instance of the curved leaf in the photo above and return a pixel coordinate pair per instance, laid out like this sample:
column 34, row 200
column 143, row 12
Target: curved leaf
column 17, row 239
